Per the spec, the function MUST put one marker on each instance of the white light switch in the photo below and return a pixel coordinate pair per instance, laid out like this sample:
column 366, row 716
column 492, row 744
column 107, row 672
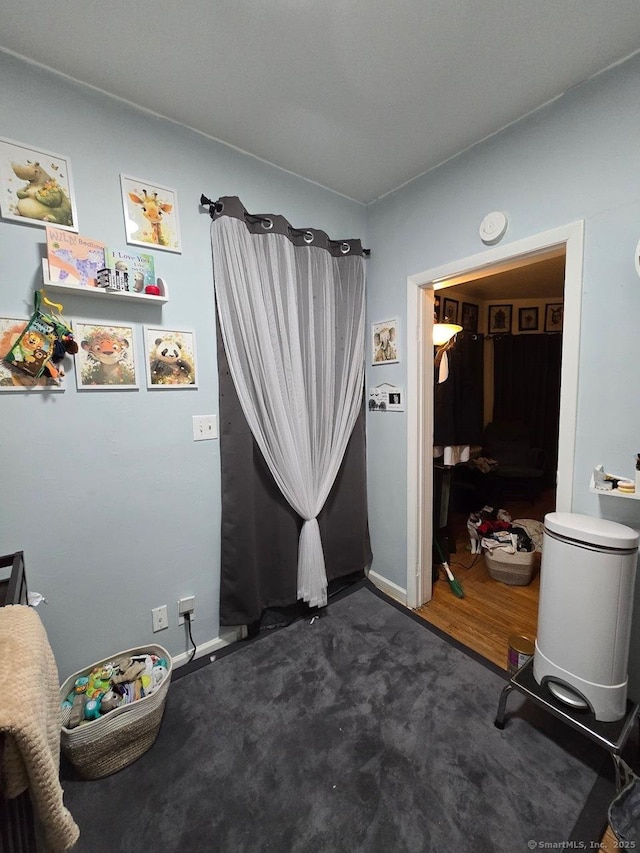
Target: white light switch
column 205, row 427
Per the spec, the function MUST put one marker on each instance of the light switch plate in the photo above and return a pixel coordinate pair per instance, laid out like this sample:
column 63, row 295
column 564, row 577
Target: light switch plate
column 205, row 427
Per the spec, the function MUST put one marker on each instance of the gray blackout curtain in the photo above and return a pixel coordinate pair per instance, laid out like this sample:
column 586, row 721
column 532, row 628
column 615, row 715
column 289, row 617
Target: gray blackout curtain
column 290, row 308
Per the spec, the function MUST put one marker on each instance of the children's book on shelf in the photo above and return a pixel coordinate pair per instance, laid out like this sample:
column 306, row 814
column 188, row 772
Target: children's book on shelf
column 138, row 265
column 73, row 259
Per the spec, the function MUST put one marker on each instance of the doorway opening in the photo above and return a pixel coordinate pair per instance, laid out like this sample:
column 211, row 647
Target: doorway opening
column 466, row 277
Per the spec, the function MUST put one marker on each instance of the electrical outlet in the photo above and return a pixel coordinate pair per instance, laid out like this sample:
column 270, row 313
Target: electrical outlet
column 160, row 618
column 186, row 605
column 205, row 427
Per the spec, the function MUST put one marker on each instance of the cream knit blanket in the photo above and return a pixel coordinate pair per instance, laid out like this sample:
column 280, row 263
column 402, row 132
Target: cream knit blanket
column 30, row 719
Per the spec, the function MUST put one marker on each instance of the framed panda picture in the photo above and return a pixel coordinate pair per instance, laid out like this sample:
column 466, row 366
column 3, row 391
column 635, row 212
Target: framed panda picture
column 170, row 358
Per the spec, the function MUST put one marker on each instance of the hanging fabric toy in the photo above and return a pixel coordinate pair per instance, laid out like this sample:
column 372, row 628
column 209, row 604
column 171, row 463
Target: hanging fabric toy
column 43, row 343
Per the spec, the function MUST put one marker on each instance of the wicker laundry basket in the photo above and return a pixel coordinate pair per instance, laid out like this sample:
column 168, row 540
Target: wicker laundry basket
column 119, row 737
column 516, row 569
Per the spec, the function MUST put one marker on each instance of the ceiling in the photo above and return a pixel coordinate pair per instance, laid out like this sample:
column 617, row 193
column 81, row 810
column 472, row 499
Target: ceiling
column 532, row 279
column 359, row 96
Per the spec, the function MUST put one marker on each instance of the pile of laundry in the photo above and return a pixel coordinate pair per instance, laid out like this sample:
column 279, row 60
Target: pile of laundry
column 493, row 530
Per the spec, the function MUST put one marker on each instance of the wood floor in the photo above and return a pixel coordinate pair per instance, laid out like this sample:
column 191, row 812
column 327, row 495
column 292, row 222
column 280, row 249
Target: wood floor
column 491, row 611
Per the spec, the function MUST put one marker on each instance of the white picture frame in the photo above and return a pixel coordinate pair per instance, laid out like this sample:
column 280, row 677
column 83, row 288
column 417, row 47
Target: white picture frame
column 386, row 398
column 150, row 214
column 34, row 184
column 106, row 357
column 385, row 342
column 170, row 359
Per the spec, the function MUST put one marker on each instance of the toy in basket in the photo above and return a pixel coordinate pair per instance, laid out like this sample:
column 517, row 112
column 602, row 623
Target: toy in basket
column 111, row 711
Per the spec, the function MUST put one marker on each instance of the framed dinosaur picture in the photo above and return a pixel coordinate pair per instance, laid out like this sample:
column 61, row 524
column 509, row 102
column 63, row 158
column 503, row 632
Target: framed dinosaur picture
column 105, row 357
column 150, row 215
column 36, row 186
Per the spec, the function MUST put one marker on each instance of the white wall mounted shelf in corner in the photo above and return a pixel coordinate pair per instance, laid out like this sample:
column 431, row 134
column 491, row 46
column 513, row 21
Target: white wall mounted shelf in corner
column 101, row 292
column 612, row 493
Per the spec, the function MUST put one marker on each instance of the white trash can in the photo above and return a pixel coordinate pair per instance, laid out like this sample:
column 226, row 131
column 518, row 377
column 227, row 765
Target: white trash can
column 587, row 578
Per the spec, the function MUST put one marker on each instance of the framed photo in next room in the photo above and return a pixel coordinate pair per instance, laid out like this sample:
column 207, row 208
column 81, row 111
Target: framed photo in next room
column 170, row 358
column 553, row 317
column 436, row 307
column 469, row 319
column 450, row 310
column 527, row 319
column 499, row 319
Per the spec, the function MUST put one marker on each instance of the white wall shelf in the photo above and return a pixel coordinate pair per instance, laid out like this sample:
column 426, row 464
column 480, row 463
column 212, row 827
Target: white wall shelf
column 103, row 293
column 612, row 493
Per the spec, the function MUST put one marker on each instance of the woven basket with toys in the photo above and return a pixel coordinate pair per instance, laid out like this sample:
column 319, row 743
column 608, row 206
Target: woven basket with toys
column 111, row 711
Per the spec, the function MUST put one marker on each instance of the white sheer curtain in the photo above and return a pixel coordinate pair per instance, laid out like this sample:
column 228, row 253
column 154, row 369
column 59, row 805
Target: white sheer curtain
column 292, row 322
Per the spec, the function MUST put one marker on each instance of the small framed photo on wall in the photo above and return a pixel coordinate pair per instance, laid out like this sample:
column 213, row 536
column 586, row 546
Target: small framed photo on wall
column 385, row 342
column 170, row 358
column 450, row 311
column 105, row 359
column 553, row 317
column 469, row 319
column 499, row 319
column 527, row 319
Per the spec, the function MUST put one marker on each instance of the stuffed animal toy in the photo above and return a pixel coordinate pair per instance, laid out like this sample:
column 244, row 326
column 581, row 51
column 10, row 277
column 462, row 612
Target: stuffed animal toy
column 129, row 670
column 43, row 343
column 110, row 700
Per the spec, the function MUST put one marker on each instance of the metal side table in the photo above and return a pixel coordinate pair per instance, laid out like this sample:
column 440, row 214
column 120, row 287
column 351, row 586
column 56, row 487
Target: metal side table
column 611, row 736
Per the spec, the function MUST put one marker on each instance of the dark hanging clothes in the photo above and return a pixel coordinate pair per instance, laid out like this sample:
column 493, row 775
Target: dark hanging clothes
column 527, row 388
column 459, row 401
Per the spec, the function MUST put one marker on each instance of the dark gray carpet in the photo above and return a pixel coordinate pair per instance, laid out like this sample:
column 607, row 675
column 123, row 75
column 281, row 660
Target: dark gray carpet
column 364, row 731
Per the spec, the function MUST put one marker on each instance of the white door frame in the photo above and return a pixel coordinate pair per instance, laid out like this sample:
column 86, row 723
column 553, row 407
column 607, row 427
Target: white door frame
column 419, row 397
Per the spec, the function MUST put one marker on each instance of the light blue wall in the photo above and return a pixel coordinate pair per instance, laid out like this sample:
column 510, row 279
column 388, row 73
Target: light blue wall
column 579, row 158
column 116, row 508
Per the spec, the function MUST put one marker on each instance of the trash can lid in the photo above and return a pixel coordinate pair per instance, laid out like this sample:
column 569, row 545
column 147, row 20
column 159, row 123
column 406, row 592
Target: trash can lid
column 594, row 531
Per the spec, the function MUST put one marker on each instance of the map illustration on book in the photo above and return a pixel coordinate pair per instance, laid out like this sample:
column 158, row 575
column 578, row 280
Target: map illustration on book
column 73, row 259
column 138, row 265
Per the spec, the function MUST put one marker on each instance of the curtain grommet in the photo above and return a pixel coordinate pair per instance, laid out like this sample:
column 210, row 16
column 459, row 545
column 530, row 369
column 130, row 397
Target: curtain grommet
column 345, row 248
column 308, row 237
column 267, row 224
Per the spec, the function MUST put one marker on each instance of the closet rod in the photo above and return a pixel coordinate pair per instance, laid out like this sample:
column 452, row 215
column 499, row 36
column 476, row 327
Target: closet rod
column 217, row 207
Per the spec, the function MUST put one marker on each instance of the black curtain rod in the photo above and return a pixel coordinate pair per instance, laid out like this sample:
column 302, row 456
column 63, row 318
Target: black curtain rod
column 217, row 207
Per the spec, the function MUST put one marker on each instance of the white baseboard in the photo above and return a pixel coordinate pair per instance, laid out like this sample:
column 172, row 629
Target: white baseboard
column 389, row 587
column 227, row 636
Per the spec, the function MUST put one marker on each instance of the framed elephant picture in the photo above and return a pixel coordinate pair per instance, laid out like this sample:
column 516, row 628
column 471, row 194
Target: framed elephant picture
column 36, row 187
column 385, row 342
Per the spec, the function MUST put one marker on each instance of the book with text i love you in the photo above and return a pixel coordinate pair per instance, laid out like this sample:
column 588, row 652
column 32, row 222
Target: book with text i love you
column 138, row 265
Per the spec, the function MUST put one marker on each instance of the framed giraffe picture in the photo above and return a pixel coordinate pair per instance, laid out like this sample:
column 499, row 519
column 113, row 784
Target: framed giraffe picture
column 150, row 215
